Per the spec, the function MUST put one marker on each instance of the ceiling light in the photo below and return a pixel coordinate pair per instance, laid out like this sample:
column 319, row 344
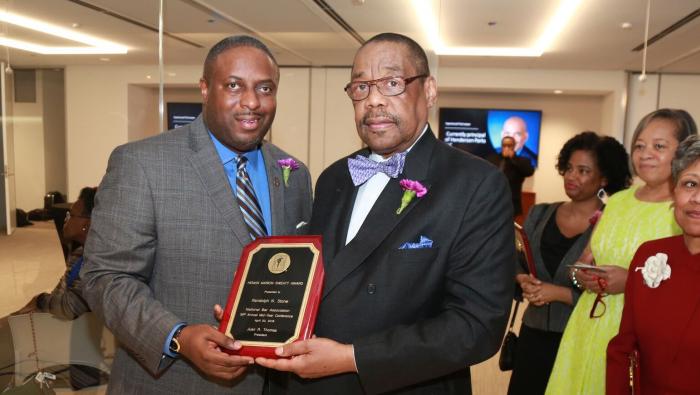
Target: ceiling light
column 561, row 17
column 558, row 91
column 105, row 59
column 95, row 45
column 625, row 25
column 171, row 74
column 148, row 77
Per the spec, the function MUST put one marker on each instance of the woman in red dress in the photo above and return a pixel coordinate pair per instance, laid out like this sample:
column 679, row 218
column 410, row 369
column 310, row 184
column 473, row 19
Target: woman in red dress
column 661, row 317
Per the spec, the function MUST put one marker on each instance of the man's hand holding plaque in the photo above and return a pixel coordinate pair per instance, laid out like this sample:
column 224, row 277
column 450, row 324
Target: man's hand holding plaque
column 275, row 294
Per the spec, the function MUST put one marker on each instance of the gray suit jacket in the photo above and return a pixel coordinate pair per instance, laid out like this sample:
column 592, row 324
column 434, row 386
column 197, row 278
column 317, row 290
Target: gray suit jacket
column 554, row 316
column 165, row 241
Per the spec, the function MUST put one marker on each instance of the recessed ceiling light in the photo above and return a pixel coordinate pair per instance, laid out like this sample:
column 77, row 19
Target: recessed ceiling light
column 105, row 59
column 561, row 17
column 94, row 44
column 75, row 25
column 558, row 91
column 148, row 77
column 625, row 25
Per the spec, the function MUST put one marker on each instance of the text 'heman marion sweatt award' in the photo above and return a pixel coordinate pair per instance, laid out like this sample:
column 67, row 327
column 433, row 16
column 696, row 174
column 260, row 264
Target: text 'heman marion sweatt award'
column 275, row 294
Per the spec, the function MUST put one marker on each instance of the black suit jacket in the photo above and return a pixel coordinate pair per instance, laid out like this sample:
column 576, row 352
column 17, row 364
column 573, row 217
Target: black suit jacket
column 417, row 317
column 516, row 169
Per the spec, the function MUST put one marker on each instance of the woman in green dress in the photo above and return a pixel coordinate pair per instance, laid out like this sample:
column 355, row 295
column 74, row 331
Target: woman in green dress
column 633, row 216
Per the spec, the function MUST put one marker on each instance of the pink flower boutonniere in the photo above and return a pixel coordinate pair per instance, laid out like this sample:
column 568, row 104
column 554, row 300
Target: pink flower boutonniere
column 287, row 166
column 411, row 189
column 655, row 270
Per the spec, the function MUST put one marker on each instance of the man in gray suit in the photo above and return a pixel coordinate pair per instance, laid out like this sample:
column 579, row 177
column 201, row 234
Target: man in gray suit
column 167, row 230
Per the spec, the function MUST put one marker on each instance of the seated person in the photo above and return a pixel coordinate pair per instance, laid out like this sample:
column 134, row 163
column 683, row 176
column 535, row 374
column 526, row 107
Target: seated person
column 65, row 300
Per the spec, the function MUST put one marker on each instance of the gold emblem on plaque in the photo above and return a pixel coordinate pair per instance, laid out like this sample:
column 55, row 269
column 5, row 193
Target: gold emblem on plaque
column 279, row 263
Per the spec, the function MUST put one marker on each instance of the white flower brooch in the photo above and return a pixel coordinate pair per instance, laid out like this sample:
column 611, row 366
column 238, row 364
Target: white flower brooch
column 655, row 270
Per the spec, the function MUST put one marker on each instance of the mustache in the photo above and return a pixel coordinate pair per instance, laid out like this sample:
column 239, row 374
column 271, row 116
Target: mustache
column 380, row 114
column 247, row 114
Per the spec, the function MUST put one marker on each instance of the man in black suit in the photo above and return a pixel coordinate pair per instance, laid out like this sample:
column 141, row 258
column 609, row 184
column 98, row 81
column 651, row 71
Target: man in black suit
column 413, row 296
column 515, row 168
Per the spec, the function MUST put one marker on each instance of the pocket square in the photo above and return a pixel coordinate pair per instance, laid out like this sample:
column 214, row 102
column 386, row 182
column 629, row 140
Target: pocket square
column 423, row 242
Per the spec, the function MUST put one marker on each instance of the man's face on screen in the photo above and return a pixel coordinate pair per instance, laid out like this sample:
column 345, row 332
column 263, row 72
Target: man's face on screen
column 516, row 128
column 239, row 97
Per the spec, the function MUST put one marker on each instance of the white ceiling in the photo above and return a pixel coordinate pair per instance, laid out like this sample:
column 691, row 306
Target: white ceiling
column 301, row 33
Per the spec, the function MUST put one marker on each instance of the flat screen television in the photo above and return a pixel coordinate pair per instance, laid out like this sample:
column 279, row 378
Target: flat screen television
column 180, row 114
column 479, row 131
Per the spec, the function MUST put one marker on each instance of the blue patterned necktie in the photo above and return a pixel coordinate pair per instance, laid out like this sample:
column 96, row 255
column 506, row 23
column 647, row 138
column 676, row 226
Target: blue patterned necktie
column 363, row 168
column 250, row 208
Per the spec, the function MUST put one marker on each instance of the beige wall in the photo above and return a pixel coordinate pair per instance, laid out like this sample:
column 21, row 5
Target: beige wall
column 563, row 116
column 315, row 119
column 661, row 91
column 30, row 176
column 54, row 117
column 142, row 112
column 609, row 84
column 97, row 116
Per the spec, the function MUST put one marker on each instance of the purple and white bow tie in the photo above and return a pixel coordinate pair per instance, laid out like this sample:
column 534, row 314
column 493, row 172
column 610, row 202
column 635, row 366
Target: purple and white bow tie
column 363, row 168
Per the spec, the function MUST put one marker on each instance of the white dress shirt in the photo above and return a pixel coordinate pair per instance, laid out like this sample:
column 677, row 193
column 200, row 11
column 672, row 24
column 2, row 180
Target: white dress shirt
column 368, row 194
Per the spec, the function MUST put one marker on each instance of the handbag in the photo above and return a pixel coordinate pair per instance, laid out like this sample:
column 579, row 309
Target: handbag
column 506, row 359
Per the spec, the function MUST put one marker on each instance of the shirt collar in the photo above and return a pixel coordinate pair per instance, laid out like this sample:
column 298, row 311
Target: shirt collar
column 226, row 154
column 379, row 158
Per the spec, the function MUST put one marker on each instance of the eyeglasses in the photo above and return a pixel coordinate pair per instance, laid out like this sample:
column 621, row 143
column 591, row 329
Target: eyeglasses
column 387, row 86
column 595, row 311
column 68, row 215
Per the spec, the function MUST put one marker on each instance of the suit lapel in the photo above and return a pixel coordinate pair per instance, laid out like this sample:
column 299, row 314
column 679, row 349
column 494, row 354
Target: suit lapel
column 382, row 218
column 276, row 189
column 206, row 162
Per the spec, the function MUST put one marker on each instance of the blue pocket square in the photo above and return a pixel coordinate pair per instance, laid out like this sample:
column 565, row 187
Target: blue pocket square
column 424, row 242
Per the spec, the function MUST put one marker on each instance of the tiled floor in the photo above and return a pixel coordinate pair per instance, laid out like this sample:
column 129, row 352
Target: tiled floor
column 31, row 261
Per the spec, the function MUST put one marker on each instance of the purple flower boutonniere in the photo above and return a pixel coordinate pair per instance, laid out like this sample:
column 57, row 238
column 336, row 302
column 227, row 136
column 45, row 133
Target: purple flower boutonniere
column 411, row 189
column 287, row 166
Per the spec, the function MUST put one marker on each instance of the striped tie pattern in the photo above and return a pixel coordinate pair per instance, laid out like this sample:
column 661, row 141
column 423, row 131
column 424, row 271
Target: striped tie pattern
column 250, row 208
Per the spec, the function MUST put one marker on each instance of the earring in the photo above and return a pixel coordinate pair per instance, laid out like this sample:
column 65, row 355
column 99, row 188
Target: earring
column 602, row 195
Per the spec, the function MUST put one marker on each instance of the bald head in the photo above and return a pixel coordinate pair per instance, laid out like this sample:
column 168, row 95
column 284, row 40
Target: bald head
column 516, row 128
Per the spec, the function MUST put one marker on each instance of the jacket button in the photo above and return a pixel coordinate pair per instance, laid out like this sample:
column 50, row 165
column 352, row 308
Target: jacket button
column 371, row 289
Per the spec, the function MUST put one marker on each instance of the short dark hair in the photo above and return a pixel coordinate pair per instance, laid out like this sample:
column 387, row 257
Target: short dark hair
column 87, row 195
column 416, row 52
column 507, row 137
column 234, row 42
column 609, row 154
